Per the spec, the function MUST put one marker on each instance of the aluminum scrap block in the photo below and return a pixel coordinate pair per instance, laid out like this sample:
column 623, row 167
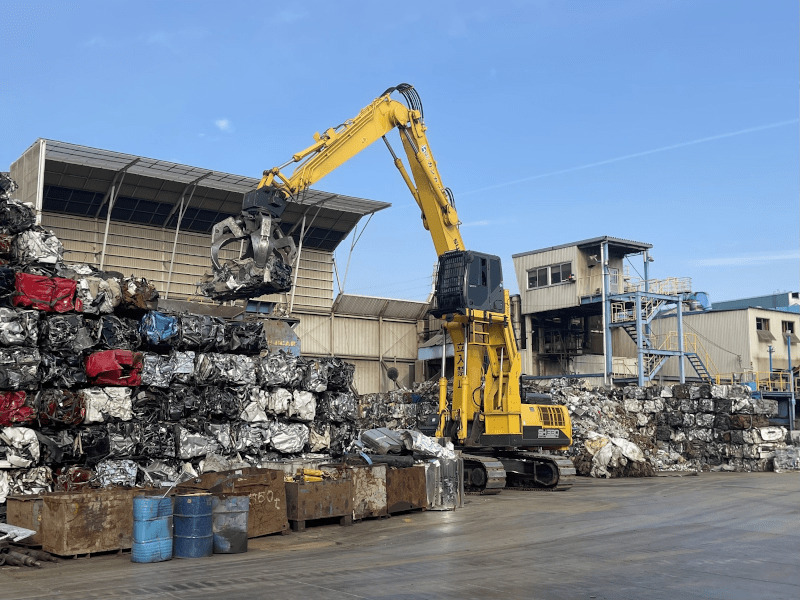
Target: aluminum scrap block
column 116, row 472
column 278, row 402
column 201, row 332
column 19, row 368
column 37, row 246
column 157, row 370
column 104, row 402
column 288, row 438
column 303, row 406
column 19, row 448
column 19, row 327
column 117, row 333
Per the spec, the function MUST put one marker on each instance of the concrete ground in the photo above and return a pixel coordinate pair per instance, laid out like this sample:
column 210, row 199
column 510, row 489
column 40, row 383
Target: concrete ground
column 714, row 536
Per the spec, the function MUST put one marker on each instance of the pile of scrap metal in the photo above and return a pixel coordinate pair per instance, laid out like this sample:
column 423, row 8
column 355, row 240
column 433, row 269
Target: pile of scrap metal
column 14, row 555
column 409, row 447
column 414, row 408
column 98, row 387
column 635, row 431
column 264, row 266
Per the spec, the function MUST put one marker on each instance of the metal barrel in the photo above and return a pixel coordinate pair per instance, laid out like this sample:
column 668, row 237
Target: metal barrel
column 192, row 523
column 152, row 529
column 230, row 523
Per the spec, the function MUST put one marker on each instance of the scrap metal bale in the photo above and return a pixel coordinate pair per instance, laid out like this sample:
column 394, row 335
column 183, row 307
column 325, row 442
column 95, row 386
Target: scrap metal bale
column 117, row 333
column 15, row 216
column 138, row 295
column 340, row 373
column 242, row 278
column 106, row 402
column 315, row 376
column 60, row 407
column 48, row 294
column 245, row 337
column 288, row 438
column 15, row 409
column 62, row 371
column 65, row 334
column 19, row 327
column 37, row 246
column 157, row 370
column 115, row 367
column 98, row 295
column 303, row 406
column 19, row 368
column 280, row 369
column 19, row 448
column 159, row 330
column 201, row 332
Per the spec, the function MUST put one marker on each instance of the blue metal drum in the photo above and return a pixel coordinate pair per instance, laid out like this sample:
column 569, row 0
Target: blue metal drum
column 152, row 529
column 192, row 523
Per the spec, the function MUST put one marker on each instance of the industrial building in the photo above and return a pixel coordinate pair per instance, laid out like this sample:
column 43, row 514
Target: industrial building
column 153, row 218
column 582, row 314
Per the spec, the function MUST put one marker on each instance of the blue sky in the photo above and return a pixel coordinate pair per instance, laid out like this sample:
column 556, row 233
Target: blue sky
column 668, row 122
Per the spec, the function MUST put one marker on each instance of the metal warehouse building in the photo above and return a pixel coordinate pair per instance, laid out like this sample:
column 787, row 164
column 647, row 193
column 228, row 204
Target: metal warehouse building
column 153, row 218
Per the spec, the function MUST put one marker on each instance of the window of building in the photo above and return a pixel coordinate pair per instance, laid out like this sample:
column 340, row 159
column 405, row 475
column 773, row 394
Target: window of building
column 762, row 330
column 787, row 327
column 550, row 275
column 613, row 276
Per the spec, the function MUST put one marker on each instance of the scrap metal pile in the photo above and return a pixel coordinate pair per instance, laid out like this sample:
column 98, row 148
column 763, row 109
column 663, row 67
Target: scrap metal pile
column 401, row 408
column 634, row 431
column 97, row 387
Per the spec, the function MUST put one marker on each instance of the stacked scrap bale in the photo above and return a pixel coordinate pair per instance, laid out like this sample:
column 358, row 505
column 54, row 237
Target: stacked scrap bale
column 98, row 387
column 399, row 409
column 636, row 431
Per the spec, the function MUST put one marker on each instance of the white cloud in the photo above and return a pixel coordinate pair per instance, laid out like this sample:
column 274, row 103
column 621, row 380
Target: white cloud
column 482, row 223
column 749, row 260
column 224, row 125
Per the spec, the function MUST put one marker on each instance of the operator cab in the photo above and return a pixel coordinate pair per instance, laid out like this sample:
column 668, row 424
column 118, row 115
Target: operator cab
column 466, row 281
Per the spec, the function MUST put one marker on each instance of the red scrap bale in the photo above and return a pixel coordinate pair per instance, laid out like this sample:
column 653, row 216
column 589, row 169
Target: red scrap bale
column 49, row 294
column 115, row 367
column 14, row 410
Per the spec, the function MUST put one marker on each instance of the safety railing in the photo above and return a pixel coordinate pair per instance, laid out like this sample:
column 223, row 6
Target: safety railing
column 671, row 286
column 764, row 381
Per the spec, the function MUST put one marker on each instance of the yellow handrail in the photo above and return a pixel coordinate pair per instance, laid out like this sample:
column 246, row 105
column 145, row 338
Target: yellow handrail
column 777, row 381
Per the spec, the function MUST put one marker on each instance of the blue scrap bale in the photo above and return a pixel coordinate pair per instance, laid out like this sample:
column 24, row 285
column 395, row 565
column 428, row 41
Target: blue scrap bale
column 158, row 329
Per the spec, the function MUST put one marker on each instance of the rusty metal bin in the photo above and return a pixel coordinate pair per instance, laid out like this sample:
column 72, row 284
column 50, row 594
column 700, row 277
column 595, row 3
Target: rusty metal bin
column 266, row 490
column 307, row 501
column 406, row 489
column 87, row 521
column 369, row 491
column 26, row 511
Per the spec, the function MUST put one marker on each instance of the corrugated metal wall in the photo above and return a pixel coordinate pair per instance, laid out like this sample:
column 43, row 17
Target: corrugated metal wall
column 727, row 340
column 551, row 297
column 373, row 344
column 27, row 171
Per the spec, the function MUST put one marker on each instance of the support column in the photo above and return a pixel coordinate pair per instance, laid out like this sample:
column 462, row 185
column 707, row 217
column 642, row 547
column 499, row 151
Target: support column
column 639, row 345
column 607, row 345
column 791, row 381
column 681, row 345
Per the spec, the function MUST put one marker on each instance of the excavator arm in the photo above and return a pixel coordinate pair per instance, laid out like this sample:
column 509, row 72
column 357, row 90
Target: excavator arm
column 337, row 145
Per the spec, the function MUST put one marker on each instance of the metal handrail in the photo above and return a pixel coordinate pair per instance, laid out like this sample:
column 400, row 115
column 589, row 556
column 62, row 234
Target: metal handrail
column 777, row 381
